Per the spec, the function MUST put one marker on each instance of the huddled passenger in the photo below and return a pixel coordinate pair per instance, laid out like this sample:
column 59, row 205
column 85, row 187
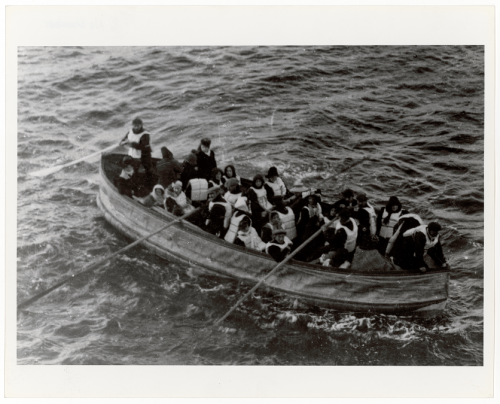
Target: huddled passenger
column 218, row 221
column 233, row 191
column 205, row 159
column 155, row 198
column 367, row 229
column 287, row 217
column 189, row 171
column 395, row 245
column 126, row 182
column 248, row 237
column 273, row 224
column 200, row 218
column 230, row 172
column 216, row 179
column 138, row 141
column 259, row 204
column 419, row 242
column 309, row 222
column 168, row 169
column 347, row 202
column 240, row 211
column 337, row 256
column 280, row 246
column 274, row 185
column 386, row 220
column 347, row 230
column 176, row 201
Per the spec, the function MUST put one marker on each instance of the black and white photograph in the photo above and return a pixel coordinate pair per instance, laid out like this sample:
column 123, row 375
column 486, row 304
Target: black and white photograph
column 250, row 205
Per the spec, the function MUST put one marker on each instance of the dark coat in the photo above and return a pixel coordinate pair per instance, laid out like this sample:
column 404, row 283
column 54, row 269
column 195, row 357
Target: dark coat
column 205, row 164
column 169, row 170
column 188, row 173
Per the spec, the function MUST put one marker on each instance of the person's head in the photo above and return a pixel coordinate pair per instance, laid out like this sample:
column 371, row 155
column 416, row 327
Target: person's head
column 393, row 205
column 205, row 145
column 216, row 174
column 231, row 184
column 244, row 224
column 362, row 200
column 274, row 219
column 229, row 171
column 137, row 125
column 258, row 181
column 191, row 159
column 177, row 187
column 433, row 229
column 312, row 200
column 272, row 174
column 167, row 154
column 212, row 193
column 344, row 216
column 279, row 235
column 348, row 194
column 158, row 190
column 127, row 163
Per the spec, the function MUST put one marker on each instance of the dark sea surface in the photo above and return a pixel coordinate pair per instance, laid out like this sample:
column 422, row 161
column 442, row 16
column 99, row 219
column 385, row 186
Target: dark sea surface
column 413, row 114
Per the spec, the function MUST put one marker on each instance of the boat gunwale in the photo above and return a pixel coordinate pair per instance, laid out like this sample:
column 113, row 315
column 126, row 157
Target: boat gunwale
column 296, row 265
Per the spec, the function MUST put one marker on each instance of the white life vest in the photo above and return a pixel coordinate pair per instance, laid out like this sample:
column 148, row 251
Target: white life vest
column 278, row 187
column 352, row 235
column 288, row 222
column 262, row 198
column 199, row 188
column 315, row 211
column 373, row 217
column 233, row 228
column 135, row 138
column 429, row 242
column 229, row 211
column 231, row 198
column 386, row 230
column 252, row 240
column 237, row 177
column 286, row 244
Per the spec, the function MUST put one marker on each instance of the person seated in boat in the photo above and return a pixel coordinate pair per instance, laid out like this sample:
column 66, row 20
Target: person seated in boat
column 155, row 198
column 337, row 256
column 280, row 246
column 267, row 230
column 300, row 193
column 309, row 222
column 241, row 210
column 138, row 141
column 347, row 202
column 347, row 230
column 126, row 182
column 330, row 235
column 189, row 170
column 176, row 200
column 248, row 237
column 386, row 220
column 422, row 243
column 233, row 191
column 287, row 217
column 367, row 228
column 205, row 159
column 396, row 243
column 168, row 169
column 216, row 179
column 274, row 185
column 230, row 172
column 259, row 204
column 216, row 221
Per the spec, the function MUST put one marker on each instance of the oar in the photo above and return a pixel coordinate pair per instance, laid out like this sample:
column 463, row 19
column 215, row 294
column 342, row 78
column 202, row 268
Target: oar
column 340, row 172
column 91, row 267
column 280, row 265
column 51, row 170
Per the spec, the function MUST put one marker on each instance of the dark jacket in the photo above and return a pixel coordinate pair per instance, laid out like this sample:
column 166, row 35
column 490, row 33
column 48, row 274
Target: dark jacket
column 168, row 169
column 205, row 163
column 277, row 254
column 188, row 173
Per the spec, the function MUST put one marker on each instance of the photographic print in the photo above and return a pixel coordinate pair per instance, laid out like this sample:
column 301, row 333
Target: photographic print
column 318, row 206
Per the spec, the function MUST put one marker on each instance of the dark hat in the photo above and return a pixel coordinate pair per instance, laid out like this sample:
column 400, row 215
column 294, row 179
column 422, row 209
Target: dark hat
column 191, row 159
column 362, row 198
column 127, row 160
column 344, row 214
column 434, row 226
column 137, row 121
column 206, row 142
column 273, row 172
column 348, row 193
column 278, row 231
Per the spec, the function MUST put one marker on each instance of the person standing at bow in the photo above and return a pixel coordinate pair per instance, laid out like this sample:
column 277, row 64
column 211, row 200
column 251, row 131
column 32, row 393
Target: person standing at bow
column 139, row 144
column 205, row 159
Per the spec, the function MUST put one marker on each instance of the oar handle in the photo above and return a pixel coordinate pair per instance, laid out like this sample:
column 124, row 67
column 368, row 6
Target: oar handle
column 279, row 266
column 91, row 267
column 90, row 155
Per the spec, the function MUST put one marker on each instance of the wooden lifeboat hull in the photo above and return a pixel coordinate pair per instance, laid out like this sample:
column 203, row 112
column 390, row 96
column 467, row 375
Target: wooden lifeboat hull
column 397, row 292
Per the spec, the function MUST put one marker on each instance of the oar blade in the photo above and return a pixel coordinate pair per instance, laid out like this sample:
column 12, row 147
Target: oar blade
column 45, row 171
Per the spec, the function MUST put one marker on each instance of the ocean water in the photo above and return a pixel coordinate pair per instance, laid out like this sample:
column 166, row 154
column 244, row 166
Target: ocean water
column 413, row 115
